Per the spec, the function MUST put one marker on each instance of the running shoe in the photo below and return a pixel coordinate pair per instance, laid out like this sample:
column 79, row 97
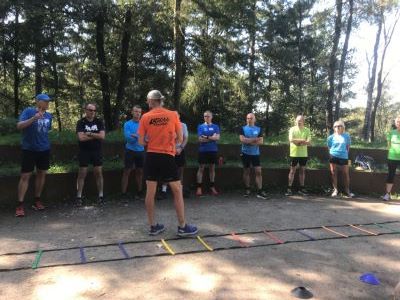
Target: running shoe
column 349, row 195
column 100, row 200
column 156, row 229
column 303, row 192
column 247, row 193
column 78, row 202
column 386, row 197
column 334, row 193
column 19, row 211
column 289, row 192
column 214, row 192
column 38, row 205
column 262, row 195
column 199, row 192
column 187, row 230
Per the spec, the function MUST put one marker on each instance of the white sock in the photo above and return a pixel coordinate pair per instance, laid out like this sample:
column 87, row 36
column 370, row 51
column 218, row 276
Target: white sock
column 164, row 188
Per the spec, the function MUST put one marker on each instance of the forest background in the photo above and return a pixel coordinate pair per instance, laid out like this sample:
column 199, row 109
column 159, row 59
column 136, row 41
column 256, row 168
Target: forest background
column 277, row 58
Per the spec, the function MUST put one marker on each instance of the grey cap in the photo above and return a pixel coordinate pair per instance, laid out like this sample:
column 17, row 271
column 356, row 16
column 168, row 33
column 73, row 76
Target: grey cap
column 156, row 95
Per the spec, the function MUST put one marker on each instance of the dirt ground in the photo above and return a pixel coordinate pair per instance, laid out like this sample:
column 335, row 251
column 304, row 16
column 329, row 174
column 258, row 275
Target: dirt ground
column 257, row 267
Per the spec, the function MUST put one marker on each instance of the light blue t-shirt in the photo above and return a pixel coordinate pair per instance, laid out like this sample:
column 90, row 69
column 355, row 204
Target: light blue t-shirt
column 185, row 133
column 132, row 143
column 35, row 137
column 338, row 145
column 251, row 132
column 208, row 130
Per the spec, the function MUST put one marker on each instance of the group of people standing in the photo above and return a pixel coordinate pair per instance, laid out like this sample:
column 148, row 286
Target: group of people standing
column 155, row 150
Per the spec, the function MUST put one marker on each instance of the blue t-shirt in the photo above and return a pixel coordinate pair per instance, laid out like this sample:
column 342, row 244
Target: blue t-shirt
column 208, row 130
column 132, row 143
column 338, row 144
column 251, row 132
column 35, row 137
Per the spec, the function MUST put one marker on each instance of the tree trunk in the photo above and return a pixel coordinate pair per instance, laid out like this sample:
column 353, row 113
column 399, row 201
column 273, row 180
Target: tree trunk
column 332, row 66
column 343, row 60
column 101, row 57
column 371, row 82
column 124, row 66
column 16, row 65
column 380, row 81
column 38, row 67
column 268, row 97
column 300, row 106
column 179, row 54
column 252, row 56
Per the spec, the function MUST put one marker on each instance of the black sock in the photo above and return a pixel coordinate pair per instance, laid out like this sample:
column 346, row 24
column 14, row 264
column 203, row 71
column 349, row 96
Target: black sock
column 212, row 184
column 37, row 199
column 199, row 185
column 19, row 203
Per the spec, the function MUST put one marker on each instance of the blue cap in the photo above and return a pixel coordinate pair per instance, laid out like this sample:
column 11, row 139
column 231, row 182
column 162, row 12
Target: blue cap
column 42, row 97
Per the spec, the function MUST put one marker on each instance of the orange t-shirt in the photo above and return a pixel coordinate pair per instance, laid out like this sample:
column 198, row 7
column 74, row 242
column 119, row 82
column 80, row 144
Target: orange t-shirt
column 160, row 127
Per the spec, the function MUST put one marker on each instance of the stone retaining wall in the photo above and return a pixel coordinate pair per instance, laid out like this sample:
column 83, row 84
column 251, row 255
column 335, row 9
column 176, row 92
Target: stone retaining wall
column 61, row 187
column 229, row 152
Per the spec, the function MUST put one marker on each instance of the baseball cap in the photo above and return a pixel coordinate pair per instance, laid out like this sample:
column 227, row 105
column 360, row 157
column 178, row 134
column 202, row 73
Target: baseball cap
column 42, row 97
column 155, row 94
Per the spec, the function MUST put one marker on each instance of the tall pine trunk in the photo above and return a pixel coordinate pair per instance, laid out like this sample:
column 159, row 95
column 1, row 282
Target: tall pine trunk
column 343, row 60
column 126, row 37
column 252, row 56
column 332, row 66
column 179, row 54
column 104, row 80
column 371, row 82
column 16, row 65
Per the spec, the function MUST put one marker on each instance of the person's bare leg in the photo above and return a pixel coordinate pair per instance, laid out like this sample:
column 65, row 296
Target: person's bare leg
column 346, row 175
column 334, row 175
column 302, row 175
column 80, row 182
column 125, row 180
column 212, row 178
column 199, row 178
column 23, row 185
column 139, row 179
column 246, row 178
column 389, row 187
column 149, row 200
column 98, row 175
column 176, row 189
column 258, row 175
column 292, row 172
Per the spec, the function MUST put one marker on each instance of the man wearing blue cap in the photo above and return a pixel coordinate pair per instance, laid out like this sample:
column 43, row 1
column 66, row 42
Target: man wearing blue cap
column 35, row 124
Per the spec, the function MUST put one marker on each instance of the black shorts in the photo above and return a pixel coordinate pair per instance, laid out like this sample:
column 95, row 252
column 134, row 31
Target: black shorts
column 208, row 157
column 250, row 160
column 90, row 157
column 338, row 161
column 133, row 159
column 180, row 159
column 160, row 167
column 302, row 161
column 30, row 159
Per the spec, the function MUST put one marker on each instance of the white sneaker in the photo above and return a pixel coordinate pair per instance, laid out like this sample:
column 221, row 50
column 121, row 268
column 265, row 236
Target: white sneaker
column 349, row 195
column 386, row 197
column 335, row 193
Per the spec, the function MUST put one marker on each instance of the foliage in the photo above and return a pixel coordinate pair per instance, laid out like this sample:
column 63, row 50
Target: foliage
column 7, row 126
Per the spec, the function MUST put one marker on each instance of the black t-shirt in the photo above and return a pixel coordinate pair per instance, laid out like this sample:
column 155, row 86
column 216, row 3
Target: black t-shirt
column 94, row 126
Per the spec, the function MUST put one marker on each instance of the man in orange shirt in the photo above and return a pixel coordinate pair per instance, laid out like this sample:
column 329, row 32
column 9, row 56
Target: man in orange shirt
column 160, row 130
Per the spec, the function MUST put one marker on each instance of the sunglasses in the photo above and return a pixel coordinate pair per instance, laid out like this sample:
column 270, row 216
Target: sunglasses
column 91, row 110
column 207, row 116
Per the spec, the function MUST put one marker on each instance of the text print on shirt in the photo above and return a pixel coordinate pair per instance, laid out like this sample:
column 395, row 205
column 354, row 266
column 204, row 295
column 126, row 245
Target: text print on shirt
column 159, row 121
column 91, row 128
